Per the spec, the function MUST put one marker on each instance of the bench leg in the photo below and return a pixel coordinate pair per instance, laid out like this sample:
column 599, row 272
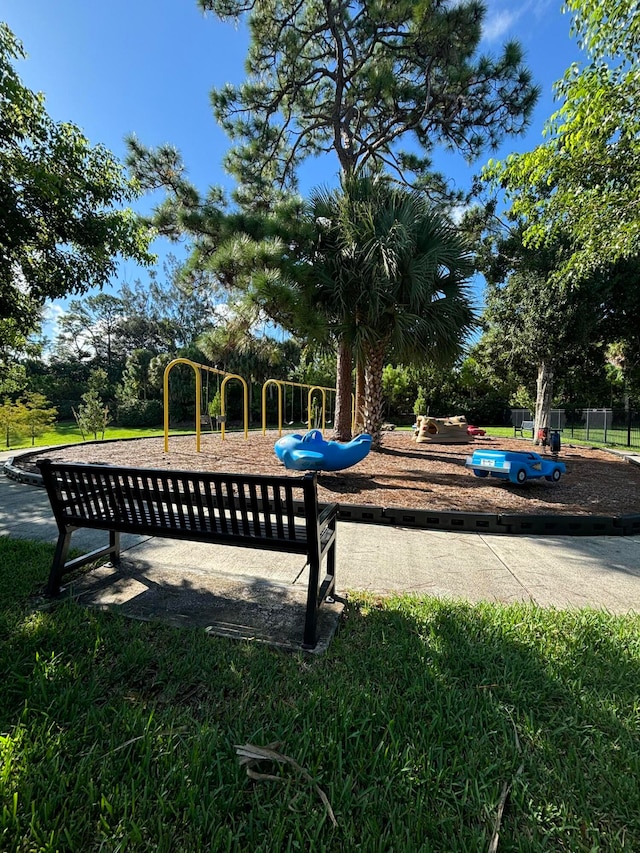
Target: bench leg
column 331, row 560
column 114, row 546
column 57, row 568
column 310, row 637
column 61, row 567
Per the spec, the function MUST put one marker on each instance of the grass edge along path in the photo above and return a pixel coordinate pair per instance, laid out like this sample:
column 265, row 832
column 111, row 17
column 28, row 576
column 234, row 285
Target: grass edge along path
column 424, row 720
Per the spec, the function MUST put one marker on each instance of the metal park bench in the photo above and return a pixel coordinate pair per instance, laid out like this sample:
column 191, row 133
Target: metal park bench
column 250, row 511
column 525, row 425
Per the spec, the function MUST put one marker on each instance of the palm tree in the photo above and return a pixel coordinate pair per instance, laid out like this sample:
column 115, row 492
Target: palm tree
column 419, row 268
column 340, row 290
column 366, row 267
column 395, row 278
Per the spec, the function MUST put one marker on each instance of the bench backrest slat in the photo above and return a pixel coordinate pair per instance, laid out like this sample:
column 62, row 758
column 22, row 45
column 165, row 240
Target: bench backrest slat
column 203, row 510
column 129, row 505
column 176, row 503
column 253, row 500
column 228, row 502
column 155, row 509
column 277, row 503
column 291, row 519
column 244, row 516
column 189, row 486
column 222, row 517
column 266, row 503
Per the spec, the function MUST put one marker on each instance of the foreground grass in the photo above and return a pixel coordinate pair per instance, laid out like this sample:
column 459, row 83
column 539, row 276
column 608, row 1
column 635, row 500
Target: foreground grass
column 117, row 735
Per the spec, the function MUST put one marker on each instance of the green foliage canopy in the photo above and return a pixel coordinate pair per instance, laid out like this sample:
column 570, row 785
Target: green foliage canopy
column 354, row 79
column 92, row 416
column 357, row 78
column 61, row 226
column 584, row 181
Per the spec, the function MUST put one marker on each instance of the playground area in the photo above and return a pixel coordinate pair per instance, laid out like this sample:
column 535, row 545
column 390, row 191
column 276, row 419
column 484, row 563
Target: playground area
column 403, row 474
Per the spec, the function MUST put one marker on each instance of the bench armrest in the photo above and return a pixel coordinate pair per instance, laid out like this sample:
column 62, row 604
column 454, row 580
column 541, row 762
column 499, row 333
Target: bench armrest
column 327, row 514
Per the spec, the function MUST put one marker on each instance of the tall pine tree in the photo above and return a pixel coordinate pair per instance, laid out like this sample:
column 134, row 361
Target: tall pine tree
column 359, row 80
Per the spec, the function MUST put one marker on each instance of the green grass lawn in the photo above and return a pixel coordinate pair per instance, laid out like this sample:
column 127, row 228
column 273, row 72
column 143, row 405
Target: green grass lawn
column 67, row 432
column 596, row 438
column 121, row 735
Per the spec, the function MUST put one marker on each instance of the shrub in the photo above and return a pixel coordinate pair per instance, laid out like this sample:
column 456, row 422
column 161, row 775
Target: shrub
column 139, row 413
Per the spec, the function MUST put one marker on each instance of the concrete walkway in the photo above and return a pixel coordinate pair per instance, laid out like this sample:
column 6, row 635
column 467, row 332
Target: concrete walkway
column 599, row 572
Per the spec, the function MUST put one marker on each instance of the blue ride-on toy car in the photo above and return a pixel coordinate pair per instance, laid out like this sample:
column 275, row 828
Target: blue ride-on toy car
column 516, row 466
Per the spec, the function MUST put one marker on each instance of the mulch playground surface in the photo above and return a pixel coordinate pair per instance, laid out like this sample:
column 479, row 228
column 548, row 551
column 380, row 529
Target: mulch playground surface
column 403, row 474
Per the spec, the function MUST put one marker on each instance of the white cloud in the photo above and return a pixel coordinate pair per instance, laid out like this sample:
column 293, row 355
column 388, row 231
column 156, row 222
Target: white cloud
column 500, row 20
column 498, row 24
column 52, row 312
column 458, row 212
column 539, row 7
column 51, row 316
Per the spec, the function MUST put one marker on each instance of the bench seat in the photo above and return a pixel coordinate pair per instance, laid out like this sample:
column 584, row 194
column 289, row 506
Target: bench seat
column 525, row 425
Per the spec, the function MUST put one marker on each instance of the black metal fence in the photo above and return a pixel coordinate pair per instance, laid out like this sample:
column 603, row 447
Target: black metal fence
column 616, row 427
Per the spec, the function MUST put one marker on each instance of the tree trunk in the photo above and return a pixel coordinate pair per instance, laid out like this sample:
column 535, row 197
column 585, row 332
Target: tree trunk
column 373, row 394
column 344, row 385
column 544, row 394
column 360, row 383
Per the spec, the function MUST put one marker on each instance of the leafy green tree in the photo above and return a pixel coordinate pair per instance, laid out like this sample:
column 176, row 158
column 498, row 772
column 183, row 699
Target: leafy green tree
column 136, row 403
column 38, row 415
column 60, row 380
column 420, row 404
column 540, row 330
column 90, row 328
column 584, row 181
column 396, row 387
column 169, row 312
column 353, row 79
column 60, row 223
column 537, row 327
column 13, row 377
column 135, row 379
column 11, row 420
column 621, row 330
column 313, row 365
column 142, row 326
column 92, row 416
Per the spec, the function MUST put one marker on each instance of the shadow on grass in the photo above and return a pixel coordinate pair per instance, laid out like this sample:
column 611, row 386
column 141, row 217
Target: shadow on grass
column 120, row 732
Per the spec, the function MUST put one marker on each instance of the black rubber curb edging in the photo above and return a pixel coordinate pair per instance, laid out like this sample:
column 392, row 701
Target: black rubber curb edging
column 461, row 522
column 20, row 476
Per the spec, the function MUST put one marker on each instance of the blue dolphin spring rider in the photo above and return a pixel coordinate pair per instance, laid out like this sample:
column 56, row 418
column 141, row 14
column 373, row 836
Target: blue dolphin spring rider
column 310, row 452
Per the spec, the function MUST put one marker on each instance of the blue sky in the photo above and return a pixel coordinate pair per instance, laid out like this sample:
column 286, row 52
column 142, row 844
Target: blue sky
column 147, row 67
